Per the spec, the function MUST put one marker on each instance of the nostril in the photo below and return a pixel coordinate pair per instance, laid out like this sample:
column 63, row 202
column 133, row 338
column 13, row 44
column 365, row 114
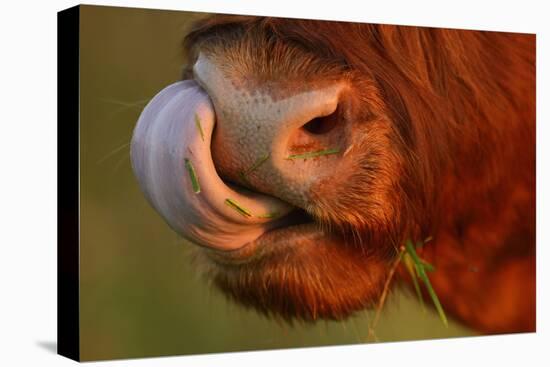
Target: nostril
column 321, row 125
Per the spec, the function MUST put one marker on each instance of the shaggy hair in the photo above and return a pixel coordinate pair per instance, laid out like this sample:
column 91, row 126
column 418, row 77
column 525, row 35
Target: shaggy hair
column 448, row 119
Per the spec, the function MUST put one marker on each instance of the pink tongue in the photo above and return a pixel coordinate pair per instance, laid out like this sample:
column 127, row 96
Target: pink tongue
column 171, row 159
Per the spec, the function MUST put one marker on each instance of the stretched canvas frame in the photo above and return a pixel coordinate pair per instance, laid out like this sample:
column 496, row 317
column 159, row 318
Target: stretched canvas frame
column 80, row 283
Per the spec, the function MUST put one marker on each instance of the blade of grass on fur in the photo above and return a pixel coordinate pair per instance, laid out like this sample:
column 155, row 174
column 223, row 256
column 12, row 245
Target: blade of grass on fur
column 199, row 126
column 313, row 154
column 192, row 176
column 435, row 300
column 233, row 204
column 429, row 267
column 421, row 272
column 410, row 268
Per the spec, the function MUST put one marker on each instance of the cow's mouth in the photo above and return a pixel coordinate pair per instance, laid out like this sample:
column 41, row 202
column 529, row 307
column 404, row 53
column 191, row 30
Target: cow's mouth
column 171, row 157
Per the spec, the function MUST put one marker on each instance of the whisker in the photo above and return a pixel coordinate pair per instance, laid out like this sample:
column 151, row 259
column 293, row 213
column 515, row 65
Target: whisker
column 124, row 106
column 119, row 163
column 113, row 152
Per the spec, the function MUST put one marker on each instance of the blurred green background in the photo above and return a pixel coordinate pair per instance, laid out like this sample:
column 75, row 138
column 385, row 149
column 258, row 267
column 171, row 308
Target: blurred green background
column 139, row 295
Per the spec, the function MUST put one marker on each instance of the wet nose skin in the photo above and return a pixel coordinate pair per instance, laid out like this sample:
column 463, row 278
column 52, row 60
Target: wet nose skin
column 260, row 130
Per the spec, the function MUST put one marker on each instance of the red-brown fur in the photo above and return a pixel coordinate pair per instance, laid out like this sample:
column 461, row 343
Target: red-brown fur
column 450, row 154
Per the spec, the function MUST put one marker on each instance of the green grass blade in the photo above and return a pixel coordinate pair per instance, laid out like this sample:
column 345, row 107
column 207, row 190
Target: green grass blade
column 241, row 210
column 412, row 252
column 244, row 179
column 192, row 176
column 257, row 164
column 244, row 174
column 429, row 267
column 313, row 154
column 435, row 299
column 410, row 268
column 199, row 126
column 419, row 265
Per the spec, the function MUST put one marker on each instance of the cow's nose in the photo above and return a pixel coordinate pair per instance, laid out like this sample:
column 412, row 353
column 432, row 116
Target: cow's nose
column 276, row 137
